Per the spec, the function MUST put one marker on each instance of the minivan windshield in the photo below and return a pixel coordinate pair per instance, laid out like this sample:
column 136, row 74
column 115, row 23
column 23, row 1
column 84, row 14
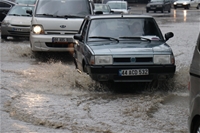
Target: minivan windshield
column 63, row 8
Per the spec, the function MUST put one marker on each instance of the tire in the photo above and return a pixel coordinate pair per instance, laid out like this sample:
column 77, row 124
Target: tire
column 4, row 37
column 196, row 128
column 155, row 11
column 147, row 11
column 84, row 67
column 174, row 7
column 162, row 10
column 187, row 7
column 198, row 6
column 169, row 10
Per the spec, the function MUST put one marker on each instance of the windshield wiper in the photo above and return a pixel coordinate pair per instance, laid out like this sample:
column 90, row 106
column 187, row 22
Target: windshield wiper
column 70, row 16
column 15, row 14
column 136, row 38
column 104, row 37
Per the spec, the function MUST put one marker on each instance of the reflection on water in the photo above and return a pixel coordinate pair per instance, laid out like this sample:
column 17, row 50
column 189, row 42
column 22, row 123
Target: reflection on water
column 184, row 15
column 175, row 14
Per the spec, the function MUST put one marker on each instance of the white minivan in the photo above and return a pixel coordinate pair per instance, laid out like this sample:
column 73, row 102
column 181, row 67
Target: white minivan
column 54, row 23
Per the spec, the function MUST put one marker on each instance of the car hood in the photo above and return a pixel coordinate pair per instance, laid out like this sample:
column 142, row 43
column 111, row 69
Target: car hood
column 59, row 24
column 18, row 20
column 129, row 47
column 155, row 3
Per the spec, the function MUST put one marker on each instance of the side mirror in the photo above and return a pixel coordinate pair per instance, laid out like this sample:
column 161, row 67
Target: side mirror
column 168, row 35
column 29, row 12
column 98, row 12
column 78, row 37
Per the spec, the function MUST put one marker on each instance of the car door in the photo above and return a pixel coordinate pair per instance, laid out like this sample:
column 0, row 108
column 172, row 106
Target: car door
column 79, row 48
column 195, row 69
column 193, row 3
column 167, row 5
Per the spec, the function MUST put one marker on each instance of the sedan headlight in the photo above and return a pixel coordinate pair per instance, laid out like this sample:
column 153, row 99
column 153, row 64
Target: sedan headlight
column 163, row 59
column 101, row 60
column 38, row 29
column 175, row 3
column 185, row 3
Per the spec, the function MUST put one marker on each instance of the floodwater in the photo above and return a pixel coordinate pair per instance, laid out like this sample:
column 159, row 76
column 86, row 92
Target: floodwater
column 45, row 94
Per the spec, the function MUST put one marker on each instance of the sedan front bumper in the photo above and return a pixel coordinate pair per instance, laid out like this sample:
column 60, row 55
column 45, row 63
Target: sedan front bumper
column 111, row 73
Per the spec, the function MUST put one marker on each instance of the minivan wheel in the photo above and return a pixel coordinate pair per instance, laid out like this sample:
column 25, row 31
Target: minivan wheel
column 196, row 128
column 3, row 37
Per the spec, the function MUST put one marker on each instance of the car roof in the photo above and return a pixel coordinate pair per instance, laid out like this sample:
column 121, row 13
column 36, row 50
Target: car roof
column 117, row 16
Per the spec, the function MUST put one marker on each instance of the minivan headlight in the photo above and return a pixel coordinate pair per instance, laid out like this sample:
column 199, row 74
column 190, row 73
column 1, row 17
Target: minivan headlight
column 38, row 29
column 101, row 60
column 163, row 59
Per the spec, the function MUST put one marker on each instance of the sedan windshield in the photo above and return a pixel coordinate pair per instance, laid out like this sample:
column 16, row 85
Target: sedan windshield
column 117, row 5
column 124, row 28
column 63, row 7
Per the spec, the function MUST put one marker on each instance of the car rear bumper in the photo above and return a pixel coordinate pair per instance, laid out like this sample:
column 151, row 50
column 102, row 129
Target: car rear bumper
column 107, row 73
column 44, row 43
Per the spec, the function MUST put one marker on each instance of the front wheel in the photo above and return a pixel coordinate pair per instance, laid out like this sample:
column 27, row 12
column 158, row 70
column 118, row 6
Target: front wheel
column 3, row 37
column 196, row 128
column 198, row 6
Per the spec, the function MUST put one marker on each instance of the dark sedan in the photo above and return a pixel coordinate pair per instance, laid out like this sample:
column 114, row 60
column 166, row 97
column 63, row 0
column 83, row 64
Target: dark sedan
column 194, row 89
column 159, row 5
column 5, row 6
column 123, row 48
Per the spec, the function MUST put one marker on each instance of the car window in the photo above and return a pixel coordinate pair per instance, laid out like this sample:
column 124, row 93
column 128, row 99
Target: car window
column 198, row 43
column 99, row 7
column 20, row 10
column 124, row 28
column 2, row 4
column 85, row 29
column 63, row 7
column 117, row 5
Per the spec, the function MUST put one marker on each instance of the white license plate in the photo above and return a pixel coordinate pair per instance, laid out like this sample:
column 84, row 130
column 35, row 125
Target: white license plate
column 56, row 39
column 17, row 29
column 133, row 72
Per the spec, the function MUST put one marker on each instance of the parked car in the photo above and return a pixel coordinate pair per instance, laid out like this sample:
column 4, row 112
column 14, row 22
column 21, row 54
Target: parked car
column 159, row 5
column 123, row 48
column 102, row 7
column 17, row 22
column 5, row 6
column 119, row 6
column 194, row 91
column 55, row 22
column 187, row 4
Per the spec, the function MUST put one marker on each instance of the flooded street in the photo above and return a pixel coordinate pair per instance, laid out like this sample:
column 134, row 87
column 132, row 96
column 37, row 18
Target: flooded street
column 45, row 94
